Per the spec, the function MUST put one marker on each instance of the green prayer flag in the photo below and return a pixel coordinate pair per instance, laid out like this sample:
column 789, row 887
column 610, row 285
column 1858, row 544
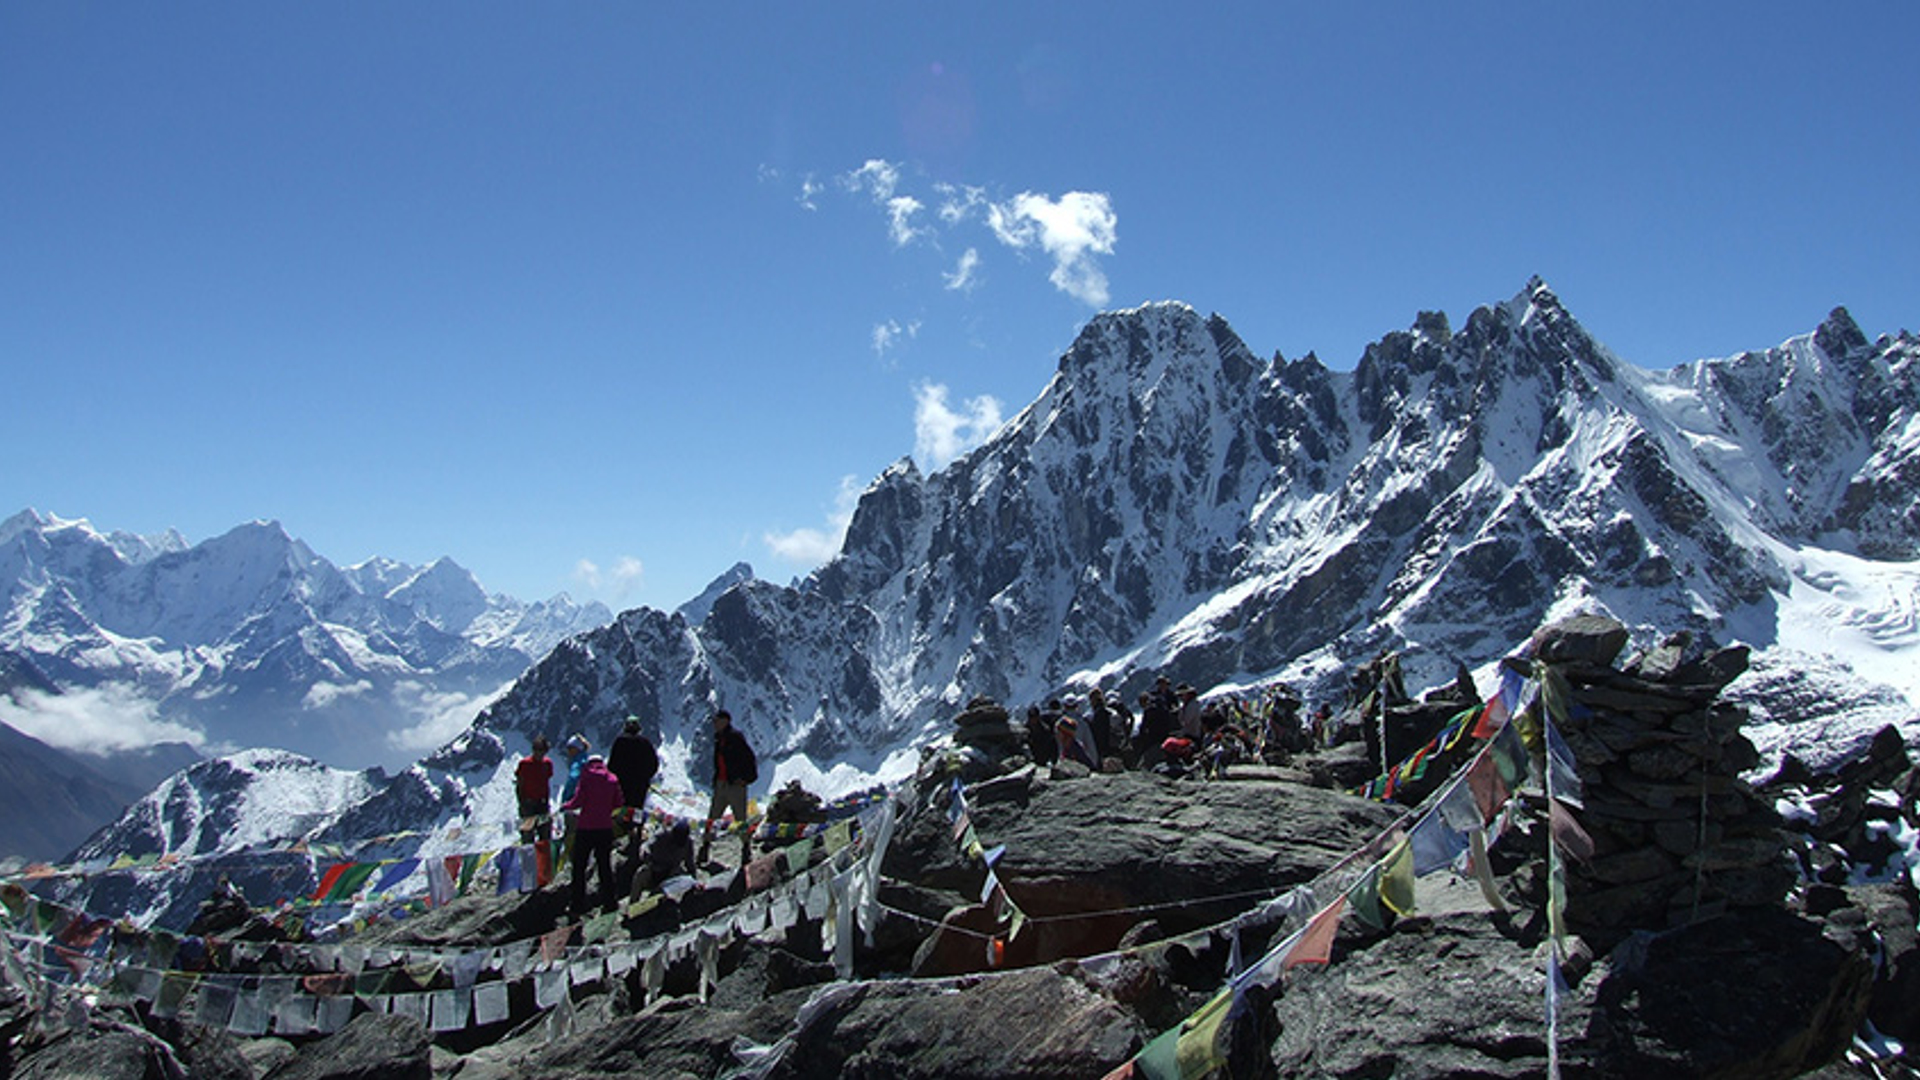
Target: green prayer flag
column 798, row 856
column 350, row 882
column 1159, row 1059
column 468, row 865
column 1364, row 898
column 839, row 835
column 599, row 928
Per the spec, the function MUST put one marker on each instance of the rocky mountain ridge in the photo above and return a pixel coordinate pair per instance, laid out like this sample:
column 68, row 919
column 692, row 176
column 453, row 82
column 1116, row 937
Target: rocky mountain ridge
column 1172, row 504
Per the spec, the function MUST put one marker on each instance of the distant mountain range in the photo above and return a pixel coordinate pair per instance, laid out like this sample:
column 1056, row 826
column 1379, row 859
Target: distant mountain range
column 1173, row 503
column 111, row 641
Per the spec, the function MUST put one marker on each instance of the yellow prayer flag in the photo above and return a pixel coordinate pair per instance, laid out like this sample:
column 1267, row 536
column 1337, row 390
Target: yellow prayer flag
column 1396, row 878
column 1198, row 1051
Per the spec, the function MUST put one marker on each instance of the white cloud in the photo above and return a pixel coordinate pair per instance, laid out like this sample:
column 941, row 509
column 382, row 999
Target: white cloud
column 941, row 434
column 900, row 211
column 809, row 188
column 323, row 694
column 966, row 274
column 93, row 721
column 810, row 547
column 437, row 715
column 625, row 575
column 1073, row 230
column 958, row 202
column 877, row 177
column 887, row 335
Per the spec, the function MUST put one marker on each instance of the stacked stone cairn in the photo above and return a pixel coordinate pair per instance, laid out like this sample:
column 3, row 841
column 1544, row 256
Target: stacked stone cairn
column 1677, row 834
column 986, row 726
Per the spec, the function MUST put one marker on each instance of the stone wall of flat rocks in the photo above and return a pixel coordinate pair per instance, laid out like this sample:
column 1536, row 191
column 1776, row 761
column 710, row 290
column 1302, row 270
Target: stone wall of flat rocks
column 1677, row 834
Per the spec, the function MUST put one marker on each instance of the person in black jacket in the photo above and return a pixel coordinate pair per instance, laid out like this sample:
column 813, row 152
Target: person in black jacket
column 634, row 760
column 734, row 767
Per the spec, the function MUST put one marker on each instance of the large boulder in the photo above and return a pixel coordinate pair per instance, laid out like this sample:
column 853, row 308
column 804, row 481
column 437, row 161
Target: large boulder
column 1113, row 847
column 1037, row 1023
column 372, row 1046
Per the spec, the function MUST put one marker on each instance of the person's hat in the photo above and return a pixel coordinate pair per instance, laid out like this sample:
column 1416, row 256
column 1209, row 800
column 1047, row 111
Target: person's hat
column 1070, row 702
column 591, row 758
column 633, row 723
column 577, row 743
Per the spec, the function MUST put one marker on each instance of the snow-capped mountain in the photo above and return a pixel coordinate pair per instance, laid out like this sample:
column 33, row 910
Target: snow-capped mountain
column 250, row 639
column 1172, row 503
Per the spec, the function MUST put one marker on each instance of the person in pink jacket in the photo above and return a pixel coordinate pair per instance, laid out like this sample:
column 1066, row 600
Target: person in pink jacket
column 595, row 799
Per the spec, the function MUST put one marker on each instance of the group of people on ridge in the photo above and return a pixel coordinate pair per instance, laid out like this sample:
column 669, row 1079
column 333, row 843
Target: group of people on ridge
column 1173, row 730
column 605, row 795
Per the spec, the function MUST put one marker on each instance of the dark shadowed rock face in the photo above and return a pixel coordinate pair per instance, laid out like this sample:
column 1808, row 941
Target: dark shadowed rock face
column 1038, row 1023
column 371, row 1047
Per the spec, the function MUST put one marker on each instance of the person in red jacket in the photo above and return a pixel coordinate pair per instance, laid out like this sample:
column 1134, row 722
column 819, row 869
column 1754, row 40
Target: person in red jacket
column 594, row 799
column 532, row 782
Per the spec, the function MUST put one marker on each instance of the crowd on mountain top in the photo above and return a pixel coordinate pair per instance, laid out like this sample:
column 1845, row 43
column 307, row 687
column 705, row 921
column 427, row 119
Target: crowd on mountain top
column 1173, row 731
column 604, row 799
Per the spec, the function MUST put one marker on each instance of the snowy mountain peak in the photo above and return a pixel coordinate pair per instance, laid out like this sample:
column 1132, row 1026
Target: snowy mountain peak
column 695, row 610
column 444, row 594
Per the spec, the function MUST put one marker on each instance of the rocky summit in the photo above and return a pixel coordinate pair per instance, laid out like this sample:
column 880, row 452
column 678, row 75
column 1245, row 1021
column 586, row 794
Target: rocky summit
column 1578, row 882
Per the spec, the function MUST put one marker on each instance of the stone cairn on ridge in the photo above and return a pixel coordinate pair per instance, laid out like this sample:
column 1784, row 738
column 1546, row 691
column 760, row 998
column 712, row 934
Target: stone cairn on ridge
column 1677, row 834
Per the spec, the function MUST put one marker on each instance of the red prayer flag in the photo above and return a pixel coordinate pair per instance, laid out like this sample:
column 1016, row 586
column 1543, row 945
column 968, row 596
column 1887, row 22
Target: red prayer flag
column 1316, row 941
column 327, row 882
column 1489, row 791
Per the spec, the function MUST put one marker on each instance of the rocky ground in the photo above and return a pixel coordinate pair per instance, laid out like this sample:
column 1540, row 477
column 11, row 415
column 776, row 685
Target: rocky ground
column 1124, row 881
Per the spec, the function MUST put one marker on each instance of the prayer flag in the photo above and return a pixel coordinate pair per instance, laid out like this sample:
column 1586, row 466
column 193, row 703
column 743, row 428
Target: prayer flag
column 1315, row 944
column 508, row 863
column 1198, row 1052
column 1489, row 790
column 490, row 1004
column 1365, row 898
column 760, row 872
column 1396, row 878
column 1436, row 843
column 349, row 883
column 327, row 881
column 394, row 874
column 797, row 857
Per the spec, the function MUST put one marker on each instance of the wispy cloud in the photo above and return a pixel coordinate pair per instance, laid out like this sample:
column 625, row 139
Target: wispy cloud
column 809, row 547
column 958, row 202
column 941, row 434
column 966, row 274
column 618, row 581
column 877, row 177
column 887, row 335
column 94, row 721
column 1072, row 229
column 1076, row 231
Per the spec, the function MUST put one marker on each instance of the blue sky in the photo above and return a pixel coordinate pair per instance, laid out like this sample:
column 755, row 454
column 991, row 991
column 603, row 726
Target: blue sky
column 605, row 298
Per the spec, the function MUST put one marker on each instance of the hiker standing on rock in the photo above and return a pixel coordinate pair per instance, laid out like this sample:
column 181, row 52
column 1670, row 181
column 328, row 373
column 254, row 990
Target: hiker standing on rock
column 575, row 748
column 634, row 760
column 734, row 767
column 594, row 799
column 532, row 783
